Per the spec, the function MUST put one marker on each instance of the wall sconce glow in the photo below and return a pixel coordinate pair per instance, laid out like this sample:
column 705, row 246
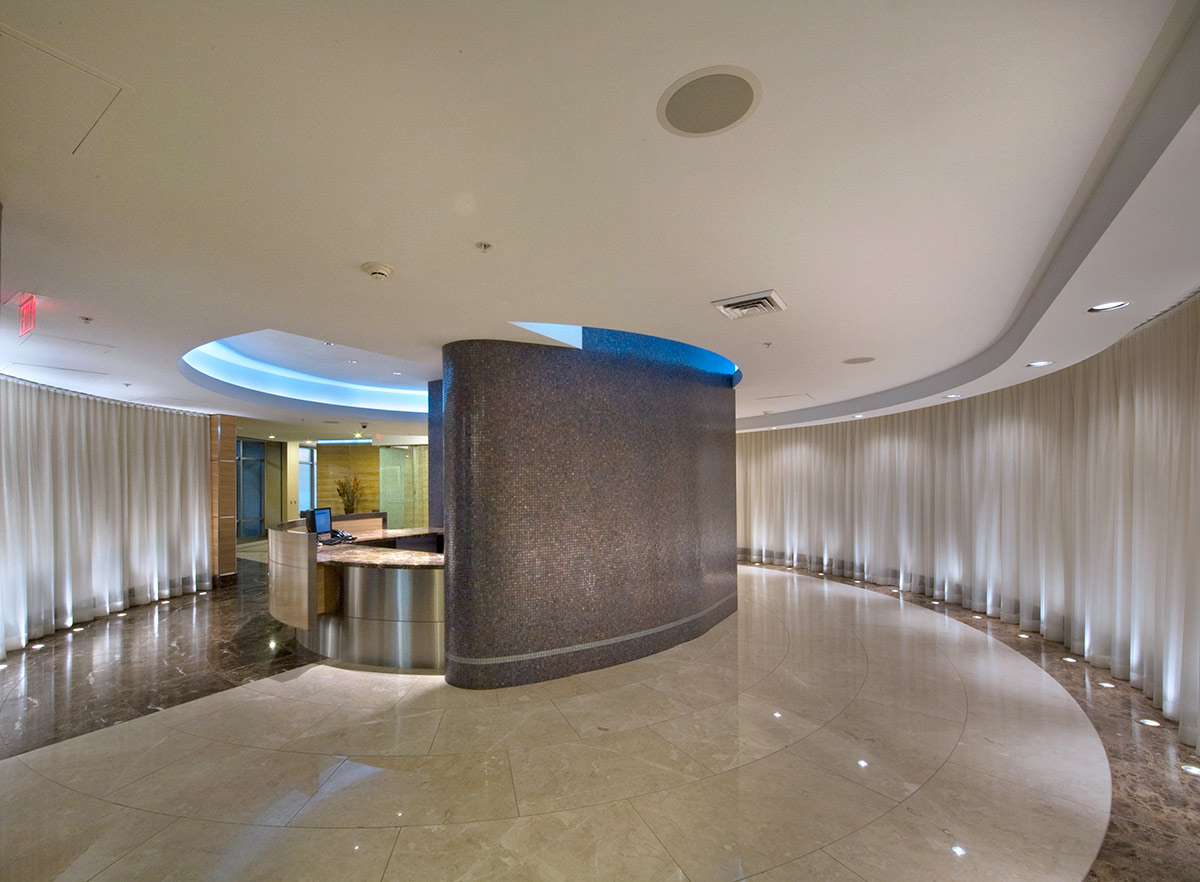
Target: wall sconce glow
column 222, row 368
column 1109, row 307
column 1039, row 364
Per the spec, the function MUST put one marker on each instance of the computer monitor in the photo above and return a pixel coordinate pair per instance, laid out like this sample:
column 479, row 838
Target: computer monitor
column 320, row 521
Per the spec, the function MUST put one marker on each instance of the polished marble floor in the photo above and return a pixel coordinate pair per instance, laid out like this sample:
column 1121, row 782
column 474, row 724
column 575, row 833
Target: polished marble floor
column 823, row 732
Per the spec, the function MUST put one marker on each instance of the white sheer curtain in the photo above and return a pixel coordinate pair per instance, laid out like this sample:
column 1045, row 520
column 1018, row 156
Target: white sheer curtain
column 1069, row 505
column 104, row 505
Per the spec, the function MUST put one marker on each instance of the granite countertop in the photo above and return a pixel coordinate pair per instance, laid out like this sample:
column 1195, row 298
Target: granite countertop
column 372, row 556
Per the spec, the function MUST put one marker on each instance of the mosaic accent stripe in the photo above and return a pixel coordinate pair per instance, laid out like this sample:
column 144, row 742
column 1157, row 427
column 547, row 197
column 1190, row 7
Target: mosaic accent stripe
column 544, row 653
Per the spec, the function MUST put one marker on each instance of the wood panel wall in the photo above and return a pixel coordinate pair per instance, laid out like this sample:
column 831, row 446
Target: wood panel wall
column 337, row 461
column 222, row 472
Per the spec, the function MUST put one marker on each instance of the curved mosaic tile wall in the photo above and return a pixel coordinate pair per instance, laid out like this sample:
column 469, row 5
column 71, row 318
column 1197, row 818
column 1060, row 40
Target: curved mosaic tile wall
column 590, row 509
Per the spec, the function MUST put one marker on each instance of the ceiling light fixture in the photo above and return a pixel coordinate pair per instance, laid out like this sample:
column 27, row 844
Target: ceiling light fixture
column 954, row 395
column 1039, row 364
column 1109, row 307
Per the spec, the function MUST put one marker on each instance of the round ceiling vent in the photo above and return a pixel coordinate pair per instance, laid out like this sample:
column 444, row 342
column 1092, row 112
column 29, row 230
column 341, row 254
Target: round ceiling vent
column 709, row 101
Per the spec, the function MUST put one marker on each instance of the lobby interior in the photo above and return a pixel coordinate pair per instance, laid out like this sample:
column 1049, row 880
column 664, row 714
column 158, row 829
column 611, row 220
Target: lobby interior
column 923, row 678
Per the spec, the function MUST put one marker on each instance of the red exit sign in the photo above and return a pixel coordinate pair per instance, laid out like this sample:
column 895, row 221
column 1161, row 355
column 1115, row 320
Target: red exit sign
column 28, row 314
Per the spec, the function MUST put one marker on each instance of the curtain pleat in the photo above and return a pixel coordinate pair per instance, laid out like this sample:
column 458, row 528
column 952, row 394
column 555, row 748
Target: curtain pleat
column 1067, row 505
column 104, row 505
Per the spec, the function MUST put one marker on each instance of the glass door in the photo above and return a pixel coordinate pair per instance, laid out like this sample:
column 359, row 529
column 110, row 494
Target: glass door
column 251, row 489
column 306, row 478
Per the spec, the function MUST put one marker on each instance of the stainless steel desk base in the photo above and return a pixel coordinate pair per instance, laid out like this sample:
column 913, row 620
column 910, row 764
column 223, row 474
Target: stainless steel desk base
column 391, row 618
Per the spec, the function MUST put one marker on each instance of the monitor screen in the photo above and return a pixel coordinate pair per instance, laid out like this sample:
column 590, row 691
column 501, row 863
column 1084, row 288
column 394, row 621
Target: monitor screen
column 319, row 521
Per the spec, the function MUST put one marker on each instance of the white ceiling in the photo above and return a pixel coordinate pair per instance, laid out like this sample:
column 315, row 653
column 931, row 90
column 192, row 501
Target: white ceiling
column 913, row 182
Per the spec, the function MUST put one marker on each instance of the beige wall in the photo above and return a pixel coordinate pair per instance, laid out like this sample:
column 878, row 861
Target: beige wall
column 337, row 461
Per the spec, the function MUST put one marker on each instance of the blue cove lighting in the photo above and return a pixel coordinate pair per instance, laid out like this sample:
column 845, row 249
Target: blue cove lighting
column 643, row 346
column 222, row 368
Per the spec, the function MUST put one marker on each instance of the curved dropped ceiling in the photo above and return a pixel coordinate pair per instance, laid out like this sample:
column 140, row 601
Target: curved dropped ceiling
column 1169, row 104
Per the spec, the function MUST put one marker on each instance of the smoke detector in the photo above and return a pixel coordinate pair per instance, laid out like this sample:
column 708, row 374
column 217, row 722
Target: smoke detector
column 760, row 303
column 376, row 270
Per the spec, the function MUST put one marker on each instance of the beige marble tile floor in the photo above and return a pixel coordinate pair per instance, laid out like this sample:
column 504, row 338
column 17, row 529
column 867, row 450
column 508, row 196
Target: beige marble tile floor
column 821, row 733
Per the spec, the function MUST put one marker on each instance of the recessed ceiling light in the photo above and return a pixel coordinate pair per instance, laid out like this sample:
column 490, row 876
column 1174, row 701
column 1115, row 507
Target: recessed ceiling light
column 397, row 373
column 859, row 359
column 1039, row 364
column 954, row 395
column 862, row 764
column 352, row 361
column 1109, row 307
column 708, row 101
column 327, row 343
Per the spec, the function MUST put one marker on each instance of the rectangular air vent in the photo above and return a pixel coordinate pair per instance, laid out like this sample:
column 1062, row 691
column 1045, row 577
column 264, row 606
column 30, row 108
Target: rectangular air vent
column 751, row 304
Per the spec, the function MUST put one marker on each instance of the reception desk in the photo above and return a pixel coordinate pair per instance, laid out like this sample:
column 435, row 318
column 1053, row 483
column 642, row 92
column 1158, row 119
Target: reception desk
column 366, row 602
